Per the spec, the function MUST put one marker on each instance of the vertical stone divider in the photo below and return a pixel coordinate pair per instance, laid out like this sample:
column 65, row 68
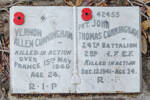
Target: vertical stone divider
column 75, row 72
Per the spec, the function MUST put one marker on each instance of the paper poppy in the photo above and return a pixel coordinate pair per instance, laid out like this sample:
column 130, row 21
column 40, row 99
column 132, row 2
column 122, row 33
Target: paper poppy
column 86, row 14
column 19, row 18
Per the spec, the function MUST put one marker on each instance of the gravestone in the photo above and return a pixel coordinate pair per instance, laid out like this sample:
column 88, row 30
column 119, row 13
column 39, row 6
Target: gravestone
column 75, row 49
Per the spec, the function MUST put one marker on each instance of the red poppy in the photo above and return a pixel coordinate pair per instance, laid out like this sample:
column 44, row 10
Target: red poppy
column 19, row 18
column 86, row 14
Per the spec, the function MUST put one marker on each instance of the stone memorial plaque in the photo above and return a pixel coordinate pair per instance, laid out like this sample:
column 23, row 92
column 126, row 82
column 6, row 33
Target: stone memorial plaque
column 75, row 49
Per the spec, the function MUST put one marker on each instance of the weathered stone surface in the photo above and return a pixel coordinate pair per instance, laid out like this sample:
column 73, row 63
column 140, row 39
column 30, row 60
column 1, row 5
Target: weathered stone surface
column 98, row 71
column 145, row 95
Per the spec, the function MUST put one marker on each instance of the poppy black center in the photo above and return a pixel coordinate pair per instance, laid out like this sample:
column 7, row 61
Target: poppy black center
column 19, row 18
column 86, row 13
